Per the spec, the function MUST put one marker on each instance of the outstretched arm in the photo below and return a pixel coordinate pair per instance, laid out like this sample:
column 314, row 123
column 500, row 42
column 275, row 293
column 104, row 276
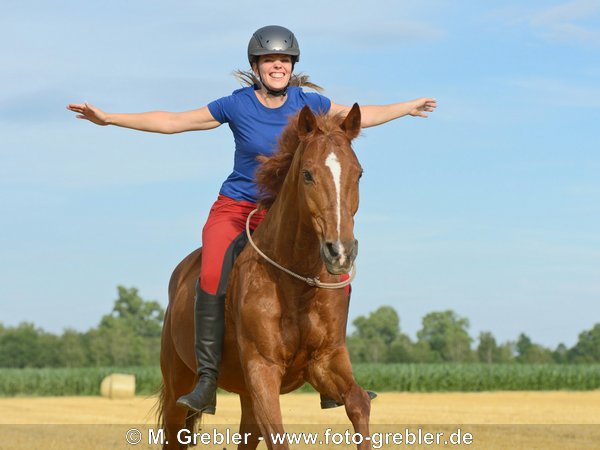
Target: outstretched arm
column 155, row 121
column 372, row 115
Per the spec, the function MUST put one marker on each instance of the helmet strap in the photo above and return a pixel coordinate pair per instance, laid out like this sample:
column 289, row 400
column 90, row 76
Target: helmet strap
column 278, row 93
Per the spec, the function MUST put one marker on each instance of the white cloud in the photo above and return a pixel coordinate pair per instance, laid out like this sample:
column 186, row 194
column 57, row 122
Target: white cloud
column 565, row 22
column 578, row 9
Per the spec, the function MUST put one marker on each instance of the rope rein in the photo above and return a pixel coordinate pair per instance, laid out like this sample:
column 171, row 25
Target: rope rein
column 315, row 282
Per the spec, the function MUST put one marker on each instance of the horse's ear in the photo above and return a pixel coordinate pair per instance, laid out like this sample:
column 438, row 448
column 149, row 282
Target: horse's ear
column 307, row 123
column 351, row 124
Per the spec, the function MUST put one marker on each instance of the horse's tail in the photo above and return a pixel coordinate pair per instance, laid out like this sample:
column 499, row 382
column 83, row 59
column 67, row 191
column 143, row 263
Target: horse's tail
column 191, row 419
column 159, row 407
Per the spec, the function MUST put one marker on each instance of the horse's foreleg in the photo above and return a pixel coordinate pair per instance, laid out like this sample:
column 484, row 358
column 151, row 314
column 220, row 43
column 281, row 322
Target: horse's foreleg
column 358, row 409
column 264, row 383
column 249, row 429
column 332, row 376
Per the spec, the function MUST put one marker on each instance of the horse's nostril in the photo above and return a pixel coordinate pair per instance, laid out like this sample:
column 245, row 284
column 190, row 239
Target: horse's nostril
column 333, row 248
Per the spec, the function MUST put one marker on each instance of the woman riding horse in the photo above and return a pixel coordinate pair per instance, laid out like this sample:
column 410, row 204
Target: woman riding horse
column 256, row 115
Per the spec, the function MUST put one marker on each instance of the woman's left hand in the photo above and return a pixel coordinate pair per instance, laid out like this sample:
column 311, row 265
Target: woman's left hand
column 422, row 105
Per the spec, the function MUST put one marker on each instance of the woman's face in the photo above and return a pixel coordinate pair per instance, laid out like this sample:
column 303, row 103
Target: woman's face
column 275, row 70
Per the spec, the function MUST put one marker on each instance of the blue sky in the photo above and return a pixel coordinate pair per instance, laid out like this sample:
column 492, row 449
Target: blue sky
column 490, row 207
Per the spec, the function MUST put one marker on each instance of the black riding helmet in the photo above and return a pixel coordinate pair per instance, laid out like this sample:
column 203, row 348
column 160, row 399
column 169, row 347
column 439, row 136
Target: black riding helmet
column 271, row 40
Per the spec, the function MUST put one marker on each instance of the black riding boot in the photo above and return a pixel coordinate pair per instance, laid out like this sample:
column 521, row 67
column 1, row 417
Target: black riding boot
column 328, row 402
column 209, row 324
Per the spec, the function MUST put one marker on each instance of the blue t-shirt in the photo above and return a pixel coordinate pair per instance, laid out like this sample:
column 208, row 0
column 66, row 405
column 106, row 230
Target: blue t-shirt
column 255, row 131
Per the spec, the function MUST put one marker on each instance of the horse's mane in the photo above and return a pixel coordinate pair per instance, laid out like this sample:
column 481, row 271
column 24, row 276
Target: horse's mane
column 273, row 169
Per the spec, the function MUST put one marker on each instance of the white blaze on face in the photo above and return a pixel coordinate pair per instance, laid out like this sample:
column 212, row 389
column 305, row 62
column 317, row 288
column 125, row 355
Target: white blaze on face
column 333, row 163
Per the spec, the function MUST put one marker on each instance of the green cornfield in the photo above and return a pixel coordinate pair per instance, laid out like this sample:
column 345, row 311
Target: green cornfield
column 72, row 381
column 378, row 377
column 477, row 377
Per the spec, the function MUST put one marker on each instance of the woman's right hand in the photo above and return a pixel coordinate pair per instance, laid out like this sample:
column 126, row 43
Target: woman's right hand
column 152, row 121
column 89, row 112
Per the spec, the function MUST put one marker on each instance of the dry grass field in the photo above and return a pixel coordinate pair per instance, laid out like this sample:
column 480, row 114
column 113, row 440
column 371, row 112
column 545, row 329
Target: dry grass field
column 498, row 420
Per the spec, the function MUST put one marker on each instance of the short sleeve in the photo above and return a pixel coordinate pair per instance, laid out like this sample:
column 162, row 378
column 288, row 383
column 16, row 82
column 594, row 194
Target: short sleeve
column 318, row 103
column 222, row 108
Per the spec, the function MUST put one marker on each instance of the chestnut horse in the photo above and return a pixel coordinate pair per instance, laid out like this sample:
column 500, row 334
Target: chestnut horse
column 280, row 332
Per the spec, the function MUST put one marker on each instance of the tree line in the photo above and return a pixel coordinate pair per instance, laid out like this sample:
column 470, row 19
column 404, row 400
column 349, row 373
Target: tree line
column 130, row 336
column 444, row 337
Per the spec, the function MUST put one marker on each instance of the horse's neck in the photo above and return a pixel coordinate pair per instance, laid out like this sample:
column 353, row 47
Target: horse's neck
column 288, row 237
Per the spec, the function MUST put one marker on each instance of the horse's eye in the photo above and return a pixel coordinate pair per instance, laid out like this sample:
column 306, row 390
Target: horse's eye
column 360, row 174
column 307, row 176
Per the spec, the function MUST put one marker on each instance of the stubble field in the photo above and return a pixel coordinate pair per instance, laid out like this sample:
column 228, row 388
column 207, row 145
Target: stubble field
column 496, row 420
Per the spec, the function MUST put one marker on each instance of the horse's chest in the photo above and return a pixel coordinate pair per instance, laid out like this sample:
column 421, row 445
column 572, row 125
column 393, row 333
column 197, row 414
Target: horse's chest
column 301, row 338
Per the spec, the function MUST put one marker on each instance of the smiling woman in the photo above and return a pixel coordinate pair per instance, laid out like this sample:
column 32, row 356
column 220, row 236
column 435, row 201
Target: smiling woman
column 256, row 114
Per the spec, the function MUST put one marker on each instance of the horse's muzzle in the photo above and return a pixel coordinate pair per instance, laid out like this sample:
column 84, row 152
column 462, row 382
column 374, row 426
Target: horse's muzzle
column 339, row 257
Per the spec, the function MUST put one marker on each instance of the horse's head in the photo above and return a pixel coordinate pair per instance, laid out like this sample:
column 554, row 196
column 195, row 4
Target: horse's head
column 328, row 179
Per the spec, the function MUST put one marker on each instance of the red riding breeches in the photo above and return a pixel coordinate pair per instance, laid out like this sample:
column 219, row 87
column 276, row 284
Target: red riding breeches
column 226, row 221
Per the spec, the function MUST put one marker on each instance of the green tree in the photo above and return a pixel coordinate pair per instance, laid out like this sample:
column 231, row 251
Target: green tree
column 506, row 353
column 20, row 346
column 446, row 333
column 531, row 353
column 373, row 335
column 487, row 348
column 378, row 339
column 143, row 317
column 97, row 344
column 561, row 354
column 403, row 350
column 524, row 346
column 371, row 350
column 488, row 351
column 118, row 345
column 587, row 349
column 383, row 324
column 48, row 350
column 72, row 349
column 130, row 334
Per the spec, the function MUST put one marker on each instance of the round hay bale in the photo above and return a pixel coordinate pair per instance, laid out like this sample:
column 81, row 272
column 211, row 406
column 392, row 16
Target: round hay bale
column 118, row 385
